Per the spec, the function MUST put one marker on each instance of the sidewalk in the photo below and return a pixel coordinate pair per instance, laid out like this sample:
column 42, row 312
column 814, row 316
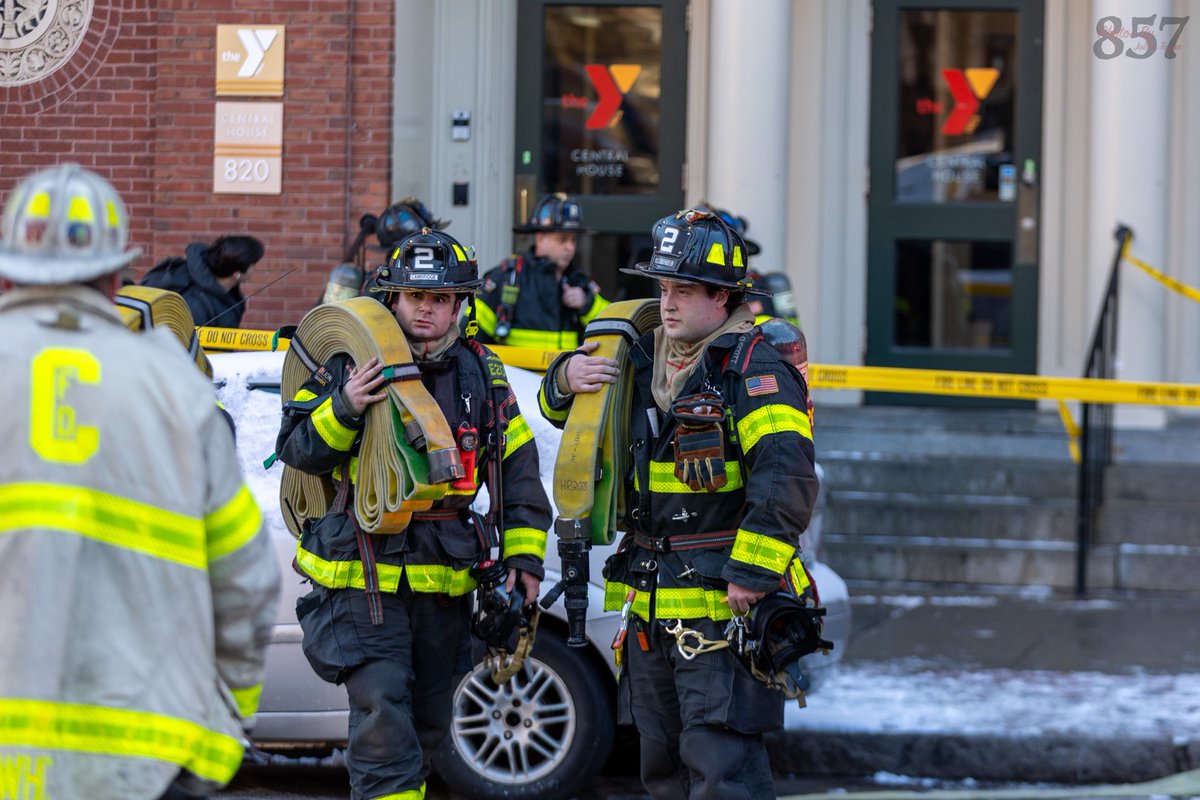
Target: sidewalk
column 1030, row 688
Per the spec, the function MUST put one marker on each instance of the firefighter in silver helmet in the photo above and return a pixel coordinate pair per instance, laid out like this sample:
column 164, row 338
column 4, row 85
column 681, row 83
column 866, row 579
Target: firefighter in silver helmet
column 137, row 585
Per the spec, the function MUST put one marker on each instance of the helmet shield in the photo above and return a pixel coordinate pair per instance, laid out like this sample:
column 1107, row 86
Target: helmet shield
column 63, row 225
column 430, row 261
column 698, row 247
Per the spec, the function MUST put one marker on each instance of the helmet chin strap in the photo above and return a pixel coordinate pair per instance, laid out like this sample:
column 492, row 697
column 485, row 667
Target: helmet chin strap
column 472, row 326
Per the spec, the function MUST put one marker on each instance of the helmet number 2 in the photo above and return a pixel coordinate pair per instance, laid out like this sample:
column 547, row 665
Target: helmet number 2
column 53, row 432
column 667, row 245
column 423, row 258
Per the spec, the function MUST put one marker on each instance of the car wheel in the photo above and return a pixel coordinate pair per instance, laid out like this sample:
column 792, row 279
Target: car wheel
column 543, row 734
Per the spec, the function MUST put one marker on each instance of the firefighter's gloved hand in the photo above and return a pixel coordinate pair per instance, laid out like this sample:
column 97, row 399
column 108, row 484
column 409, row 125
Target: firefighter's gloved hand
column 530, row 583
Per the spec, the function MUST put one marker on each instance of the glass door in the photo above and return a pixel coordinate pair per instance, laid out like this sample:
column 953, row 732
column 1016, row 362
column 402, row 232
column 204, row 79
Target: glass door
column 601, row 110
column 953, row 212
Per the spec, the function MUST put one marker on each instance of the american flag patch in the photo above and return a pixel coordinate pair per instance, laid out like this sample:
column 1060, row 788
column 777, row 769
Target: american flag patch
column 761, row 384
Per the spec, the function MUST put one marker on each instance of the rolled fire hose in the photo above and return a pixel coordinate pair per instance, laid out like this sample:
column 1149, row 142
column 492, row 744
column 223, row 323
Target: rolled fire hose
column 408, row 455
column 145, row 307
column 591, row 458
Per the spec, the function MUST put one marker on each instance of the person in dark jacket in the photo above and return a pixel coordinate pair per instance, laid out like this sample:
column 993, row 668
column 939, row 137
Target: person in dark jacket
column 724, row 484
column 401, row 667
column 209, row 277
column 541, row 298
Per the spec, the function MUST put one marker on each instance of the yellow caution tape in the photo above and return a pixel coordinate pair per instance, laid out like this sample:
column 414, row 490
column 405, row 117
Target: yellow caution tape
column 1072, row 429
column 879, row 379
column 1003, row 385
column 1187, row 291
column 218, row 339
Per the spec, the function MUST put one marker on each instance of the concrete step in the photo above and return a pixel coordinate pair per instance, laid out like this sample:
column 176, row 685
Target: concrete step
column 930, row 516
column 939, row 475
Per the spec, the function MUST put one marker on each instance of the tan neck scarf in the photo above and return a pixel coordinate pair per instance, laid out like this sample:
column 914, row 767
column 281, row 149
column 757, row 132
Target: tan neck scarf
column 675, row 361
column 433, row 350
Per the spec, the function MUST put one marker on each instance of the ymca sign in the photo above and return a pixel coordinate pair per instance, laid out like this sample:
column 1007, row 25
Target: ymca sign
column 250, row 60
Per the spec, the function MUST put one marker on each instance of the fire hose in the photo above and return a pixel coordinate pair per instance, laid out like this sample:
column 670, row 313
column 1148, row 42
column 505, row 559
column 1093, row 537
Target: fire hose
column 145, row 307
column 592, row 460
column 408, row 454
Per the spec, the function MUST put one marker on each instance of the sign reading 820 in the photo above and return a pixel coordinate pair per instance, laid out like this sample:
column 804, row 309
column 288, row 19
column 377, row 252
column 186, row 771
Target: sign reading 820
column 54, row 432
column 247, row 170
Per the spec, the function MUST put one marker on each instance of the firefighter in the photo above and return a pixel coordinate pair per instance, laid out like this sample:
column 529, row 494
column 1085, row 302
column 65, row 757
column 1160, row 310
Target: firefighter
column 401, row 667
column 137, row 585
column 724, row 483
column 541, row 298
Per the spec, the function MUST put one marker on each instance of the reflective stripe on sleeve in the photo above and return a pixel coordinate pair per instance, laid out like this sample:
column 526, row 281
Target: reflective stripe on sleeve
column 334, row 433
column 775, row 418
column 517, row 434
column 524, row 542
column 247, row 700
column 106, row 518
column 233, row 524
column 762, row 551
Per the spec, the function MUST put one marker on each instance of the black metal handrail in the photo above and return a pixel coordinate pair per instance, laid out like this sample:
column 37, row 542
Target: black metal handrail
column 1096, row 431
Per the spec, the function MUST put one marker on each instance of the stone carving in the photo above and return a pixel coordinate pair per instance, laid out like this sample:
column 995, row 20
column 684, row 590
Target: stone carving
column 38, row 37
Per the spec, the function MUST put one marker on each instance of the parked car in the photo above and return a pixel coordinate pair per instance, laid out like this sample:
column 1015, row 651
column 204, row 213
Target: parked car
column 543, row 734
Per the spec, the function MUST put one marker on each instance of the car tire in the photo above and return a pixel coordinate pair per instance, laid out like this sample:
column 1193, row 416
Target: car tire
column 544, row 734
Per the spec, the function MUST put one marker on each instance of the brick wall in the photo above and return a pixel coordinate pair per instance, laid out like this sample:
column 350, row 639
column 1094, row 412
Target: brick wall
column 136, row 104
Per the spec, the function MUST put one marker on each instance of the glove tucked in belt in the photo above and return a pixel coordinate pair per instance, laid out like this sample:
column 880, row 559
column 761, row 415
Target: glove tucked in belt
column 699, row 441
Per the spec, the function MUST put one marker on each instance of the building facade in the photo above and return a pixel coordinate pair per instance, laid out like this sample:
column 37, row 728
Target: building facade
column 939, row 181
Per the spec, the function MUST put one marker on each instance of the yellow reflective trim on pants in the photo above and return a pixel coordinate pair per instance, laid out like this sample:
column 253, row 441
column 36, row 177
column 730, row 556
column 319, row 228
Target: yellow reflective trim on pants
column 545, row 340
column 410, row 794
column 685, row 603
column 334, row 433
column 45, row 724
column 663, row 480
column 771, row 419
column 763, row 551
column 247, row 699
column 524, row 541
column 346, row 574
column 233, row 524
column 106, row 518
column 517, row 434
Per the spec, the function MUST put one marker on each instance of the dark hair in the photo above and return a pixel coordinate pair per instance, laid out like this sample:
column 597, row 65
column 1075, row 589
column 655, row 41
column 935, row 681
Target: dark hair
column 735, row 299
column 230, row 254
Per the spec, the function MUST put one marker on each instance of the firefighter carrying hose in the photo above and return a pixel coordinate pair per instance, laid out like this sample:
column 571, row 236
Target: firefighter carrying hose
column 724, row 483
column 402, row 658
column 137, row 585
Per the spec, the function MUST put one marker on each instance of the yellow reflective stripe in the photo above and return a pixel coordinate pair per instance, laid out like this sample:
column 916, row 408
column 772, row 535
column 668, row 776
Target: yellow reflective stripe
column 304, row 395
column 552, row 414
column 440, row 578
column 44, row 724
column 409, row 794
column 337, row 471
column 334, row 433
column 544, row 340
column 663, row 480
column 775, row 418
column 524, row 541
column 685, row 603
column 247, row 699
column 517, row 434
column 763, row 551
column 79, row 209
column 598, row 305
column 106, row 518
column 485, row 317
column 233, row 524
column 346, row 574
column 800, row 579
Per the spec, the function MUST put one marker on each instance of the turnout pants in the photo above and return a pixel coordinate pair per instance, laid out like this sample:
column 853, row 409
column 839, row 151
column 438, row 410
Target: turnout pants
column 701, row 720
column 401, row 690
